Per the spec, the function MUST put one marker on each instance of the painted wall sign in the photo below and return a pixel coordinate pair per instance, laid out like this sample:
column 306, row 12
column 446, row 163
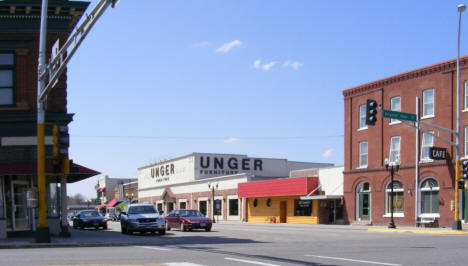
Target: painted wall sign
column 437, row 153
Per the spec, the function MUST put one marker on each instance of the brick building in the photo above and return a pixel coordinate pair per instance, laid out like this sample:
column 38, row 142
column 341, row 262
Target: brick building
column 196, row 180
column 423, row 188
column 19, row 45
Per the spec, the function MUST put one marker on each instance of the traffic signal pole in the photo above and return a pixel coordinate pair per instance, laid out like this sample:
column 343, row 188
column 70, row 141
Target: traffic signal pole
column 55, row 68
column 42, row 234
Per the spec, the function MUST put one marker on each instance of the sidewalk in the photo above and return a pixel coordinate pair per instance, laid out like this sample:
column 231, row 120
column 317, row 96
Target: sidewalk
column 113, row 237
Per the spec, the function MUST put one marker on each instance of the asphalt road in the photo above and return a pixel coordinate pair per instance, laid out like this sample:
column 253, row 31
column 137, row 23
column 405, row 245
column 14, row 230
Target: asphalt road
column 254, row 244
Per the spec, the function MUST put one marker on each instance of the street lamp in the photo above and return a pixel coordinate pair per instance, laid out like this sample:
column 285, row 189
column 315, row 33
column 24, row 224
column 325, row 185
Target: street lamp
column 394, row 167
column 212, row 187
column 456, row 225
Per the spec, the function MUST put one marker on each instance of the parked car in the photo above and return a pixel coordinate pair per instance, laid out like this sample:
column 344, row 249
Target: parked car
column 141, row 218
column 89, row 218
column 187, row 220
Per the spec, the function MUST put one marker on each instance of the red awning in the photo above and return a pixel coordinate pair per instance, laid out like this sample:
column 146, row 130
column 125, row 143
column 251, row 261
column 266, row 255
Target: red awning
column 111, row 203
column 101, row 189
column 77, row 172
column 100, row 207
column 278, row 187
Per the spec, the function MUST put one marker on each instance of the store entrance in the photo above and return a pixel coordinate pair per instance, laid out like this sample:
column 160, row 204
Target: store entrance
column 17, row 212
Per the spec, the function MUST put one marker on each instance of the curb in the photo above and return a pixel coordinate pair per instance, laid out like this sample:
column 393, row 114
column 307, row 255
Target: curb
column 67, row 245
column 433, row 232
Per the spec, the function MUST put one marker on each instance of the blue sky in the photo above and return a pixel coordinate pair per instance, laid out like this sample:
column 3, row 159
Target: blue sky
column 159, row 79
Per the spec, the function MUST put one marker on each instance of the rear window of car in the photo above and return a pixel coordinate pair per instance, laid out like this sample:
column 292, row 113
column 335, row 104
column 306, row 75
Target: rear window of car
column 141, row 209
column 90, row 214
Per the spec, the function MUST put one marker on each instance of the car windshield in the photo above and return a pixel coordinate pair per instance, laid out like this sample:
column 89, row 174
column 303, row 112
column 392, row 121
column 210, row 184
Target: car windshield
column 90, row 214
column 190, row 213
column 141, row 209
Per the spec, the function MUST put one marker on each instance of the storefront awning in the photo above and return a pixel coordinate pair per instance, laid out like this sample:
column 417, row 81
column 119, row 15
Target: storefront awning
column 111, row 203
column 77, row 172
column 101, row 189
column 100, row 207
column 278, row 187
column 321, row 197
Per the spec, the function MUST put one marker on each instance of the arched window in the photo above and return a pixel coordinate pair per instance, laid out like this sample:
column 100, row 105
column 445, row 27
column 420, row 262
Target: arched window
column 398, row 203
column 429, row 196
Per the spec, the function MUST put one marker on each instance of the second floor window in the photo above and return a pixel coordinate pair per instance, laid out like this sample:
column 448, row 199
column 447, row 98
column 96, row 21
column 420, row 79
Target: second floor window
column 6, row 79
column 466, row 95
column 362, row 116
column 428, row 103
column 363, row 154
column 395, row 105
column 427, row 143
column 395, row 149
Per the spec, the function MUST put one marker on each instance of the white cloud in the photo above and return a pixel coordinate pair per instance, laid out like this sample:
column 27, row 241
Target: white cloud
column 231, row 140
column 294, row 65
column 202, row 44
column 257, row 63
column 328, row 153
column 225, row 48
column 268, row 66
column 265, row 67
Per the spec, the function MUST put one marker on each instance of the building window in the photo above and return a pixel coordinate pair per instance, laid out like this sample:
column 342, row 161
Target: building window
column 53, row 192
column 363, row 154
column 217, row 207
column 466, row 95
column 395, row 149
column 397, row 197
column 182, row 205
column 160, row 207
column 202, row 207
column 233, row 207
column 428, row 102
column 466, row 141
column 429, row 196
column 362, row 117
column 395, row 105
column 427, row 143
column 6, row 78
column 303, row 208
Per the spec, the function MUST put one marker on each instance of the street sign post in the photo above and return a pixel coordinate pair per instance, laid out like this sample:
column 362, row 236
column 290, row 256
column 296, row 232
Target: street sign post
column 399, row 115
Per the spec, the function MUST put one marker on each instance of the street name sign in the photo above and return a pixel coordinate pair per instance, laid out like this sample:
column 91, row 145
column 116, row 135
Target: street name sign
column 437, row 153
column 399, row 115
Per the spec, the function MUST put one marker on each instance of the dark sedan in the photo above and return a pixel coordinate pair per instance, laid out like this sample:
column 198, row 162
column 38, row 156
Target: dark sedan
column 89, row 218
column 187, row 220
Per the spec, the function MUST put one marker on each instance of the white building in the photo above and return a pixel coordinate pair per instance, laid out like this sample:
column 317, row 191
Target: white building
column 198, row 180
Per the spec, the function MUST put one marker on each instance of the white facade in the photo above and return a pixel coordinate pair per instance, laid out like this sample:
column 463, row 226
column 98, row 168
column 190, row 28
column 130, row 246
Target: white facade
column 185, row 180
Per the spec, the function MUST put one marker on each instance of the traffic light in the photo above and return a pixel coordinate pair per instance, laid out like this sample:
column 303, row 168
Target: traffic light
column 465, row 169
column 57, row 166
column 371, row 112
column 61, row 140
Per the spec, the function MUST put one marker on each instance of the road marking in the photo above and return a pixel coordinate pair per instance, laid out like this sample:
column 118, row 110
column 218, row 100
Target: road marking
column 163, row 249
column 252, row 262
column 362, row 261
column 181, row 264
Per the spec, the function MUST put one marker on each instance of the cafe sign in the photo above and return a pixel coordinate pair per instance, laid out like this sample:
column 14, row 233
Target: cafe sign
column 437, row 153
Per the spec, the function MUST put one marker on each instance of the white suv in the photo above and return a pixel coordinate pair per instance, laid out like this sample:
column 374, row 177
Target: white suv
column 141, row 217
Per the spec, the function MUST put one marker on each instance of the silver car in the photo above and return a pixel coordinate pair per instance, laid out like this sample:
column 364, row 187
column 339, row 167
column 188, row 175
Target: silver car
column 141, row 217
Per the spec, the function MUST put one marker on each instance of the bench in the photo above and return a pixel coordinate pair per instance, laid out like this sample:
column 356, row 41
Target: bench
column 427, row 221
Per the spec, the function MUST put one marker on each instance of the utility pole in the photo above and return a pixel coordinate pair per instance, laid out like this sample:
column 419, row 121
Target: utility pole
column 55, row 68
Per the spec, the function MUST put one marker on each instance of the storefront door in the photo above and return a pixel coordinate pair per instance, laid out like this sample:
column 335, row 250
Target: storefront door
column 283, row 212
column 364, row 206
column 20, row 213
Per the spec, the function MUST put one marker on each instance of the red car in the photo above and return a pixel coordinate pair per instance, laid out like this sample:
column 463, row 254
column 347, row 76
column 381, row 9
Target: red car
column 187, row 220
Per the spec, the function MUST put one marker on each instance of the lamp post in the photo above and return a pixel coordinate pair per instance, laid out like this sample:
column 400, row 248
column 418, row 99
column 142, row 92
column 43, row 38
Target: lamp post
column 456, row 225
column 392, row 167
column 212, row 187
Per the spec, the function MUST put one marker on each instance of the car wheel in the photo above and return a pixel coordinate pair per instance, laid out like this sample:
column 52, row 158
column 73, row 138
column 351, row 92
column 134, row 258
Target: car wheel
column 162, row 232
column 130, row 232
column 82, row 227
column 104, row 227
column 208, row 229
column 182, row 227
column 167, row 227
column 123, row 230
